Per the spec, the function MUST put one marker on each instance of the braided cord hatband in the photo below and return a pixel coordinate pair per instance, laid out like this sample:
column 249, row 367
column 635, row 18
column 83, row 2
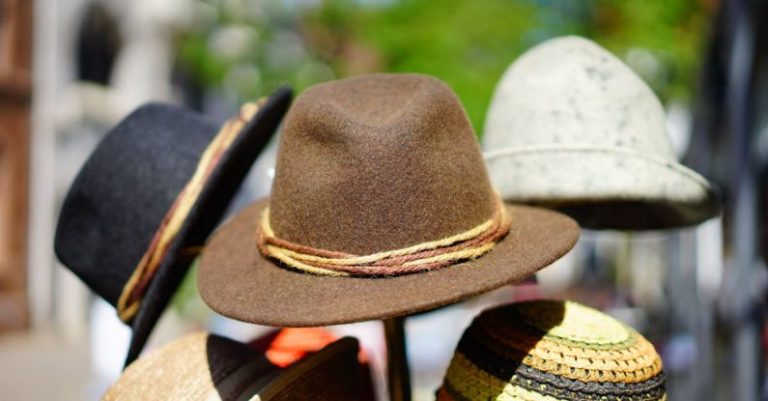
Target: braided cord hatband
column 425, row 256
column 134, row 289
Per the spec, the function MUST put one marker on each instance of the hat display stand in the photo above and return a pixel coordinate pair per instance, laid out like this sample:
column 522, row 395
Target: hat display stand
column 398, row 370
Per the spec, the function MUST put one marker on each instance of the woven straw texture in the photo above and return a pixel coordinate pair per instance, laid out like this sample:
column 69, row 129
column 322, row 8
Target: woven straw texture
column 197, row 366
column 550, row 351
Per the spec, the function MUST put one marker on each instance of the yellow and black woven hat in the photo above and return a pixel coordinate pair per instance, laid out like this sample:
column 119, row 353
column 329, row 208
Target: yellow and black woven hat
column 552, row 351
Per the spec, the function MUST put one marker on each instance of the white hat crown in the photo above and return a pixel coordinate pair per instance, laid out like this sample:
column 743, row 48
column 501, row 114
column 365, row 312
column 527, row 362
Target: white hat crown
column 570, row 92
column 571, row 127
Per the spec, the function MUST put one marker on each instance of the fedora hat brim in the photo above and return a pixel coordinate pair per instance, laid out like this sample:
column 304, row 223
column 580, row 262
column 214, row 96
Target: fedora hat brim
column 604, row 188
column 213, row 201
column 235, row 280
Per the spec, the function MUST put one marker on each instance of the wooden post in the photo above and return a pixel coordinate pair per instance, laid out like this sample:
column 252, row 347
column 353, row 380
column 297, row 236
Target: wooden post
column 15, row 67
column 398, row 373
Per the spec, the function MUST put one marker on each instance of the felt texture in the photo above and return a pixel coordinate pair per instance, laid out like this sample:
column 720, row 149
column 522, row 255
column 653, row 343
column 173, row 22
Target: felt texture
column 621, row 199
column 236, row 281
column 368, row 164
column 377, row 163
column 570, row 124
column 123, row 191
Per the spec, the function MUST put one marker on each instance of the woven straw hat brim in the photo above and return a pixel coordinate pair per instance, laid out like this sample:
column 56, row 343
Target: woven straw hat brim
column 205, row 214
column 203, row 367
column 238, row 282
column 604, row 188
column 197, row 366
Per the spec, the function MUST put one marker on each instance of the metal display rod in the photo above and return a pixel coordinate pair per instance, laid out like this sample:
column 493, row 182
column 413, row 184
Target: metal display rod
column 398, row 373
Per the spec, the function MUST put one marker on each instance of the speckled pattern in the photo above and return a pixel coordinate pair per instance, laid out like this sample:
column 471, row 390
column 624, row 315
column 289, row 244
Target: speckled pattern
column 570, row 123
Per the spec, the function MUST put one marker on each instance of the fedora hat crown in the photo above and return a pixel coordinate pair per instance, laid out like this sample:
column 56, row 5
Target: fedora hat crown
column 124, row 190
column 570, row 91
column 149, row 195
column 378, row 162
column 573, row 128
column 381, row 206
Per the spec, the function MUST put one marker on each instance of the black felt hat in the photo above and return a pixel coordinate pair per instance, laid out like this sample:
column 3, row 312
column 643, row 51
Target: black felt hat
column 125, row 190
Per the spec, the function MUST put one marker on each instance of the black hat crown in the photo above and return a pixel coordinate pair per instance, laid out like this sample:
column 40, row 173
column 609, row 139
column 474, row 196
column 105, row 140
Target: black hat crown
column 126, row 188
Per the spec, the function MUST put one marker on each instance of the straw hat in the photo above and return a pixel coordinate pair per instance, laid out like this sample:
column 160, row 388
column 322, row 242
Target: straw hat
column 147, row 198
column 571, row 127
column 381, row 207
column 549, row 351
column 205, row 367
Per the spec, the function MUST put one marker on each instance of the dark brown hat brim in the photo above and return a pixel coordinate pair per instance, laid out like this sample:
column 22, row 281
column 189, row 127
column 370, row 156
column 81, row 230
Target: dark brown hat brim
column 236, row 281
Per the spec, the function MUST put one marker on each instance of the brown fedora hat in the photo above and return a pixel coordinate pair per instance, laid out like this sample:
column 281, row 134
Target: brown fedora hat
column 381, row 207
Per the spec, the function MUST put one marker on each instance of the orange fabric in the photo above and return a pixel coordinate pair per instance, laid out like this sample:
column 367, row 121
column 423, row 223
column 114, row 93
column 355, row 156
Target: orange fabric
column 287, row 346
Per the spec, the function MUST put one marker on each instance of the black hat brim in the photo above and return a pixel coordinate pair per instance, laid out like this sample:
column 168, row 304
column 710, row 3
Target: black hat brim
column 205, row 215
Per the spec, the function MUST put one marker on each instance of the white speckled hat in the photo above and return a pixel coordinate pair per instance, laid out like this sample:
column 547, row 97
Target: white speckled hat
column 573, row 128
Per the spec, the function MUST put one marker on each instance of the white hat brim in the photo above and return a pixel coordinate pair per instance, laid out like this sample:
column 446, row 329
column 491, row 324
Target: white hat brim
column 604, row 188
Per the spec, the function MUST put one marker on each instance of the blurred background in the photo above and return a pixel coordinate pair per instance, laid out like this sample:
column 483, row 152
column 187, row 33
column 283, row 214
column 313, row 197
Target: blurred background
column 70, row 69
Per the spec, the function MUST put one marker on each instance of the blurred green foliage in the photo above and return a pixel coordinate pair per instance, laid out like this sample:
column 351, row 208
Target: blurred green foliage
column 467, row 43
column 247, row 48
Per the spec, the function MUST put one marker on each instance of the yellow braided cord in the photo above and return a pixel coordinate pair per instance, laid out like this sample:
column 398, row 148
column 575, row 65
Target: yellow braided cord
column 360, row 260
column 316, row 263
column 464, row 254
column 127, row 307
column 290, row 259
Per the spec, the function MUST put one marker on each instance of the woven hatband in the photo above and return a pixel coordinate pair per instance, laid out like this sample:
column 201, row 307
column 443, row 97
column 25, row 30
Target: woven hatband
column 135, row 288
column 431, row 255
